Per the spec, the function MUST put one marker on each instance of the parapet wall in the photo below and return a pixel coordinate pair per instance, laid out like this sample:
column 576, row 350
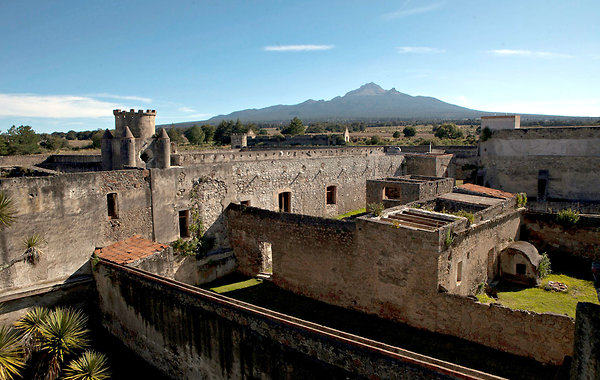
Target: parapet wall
column 186, row 332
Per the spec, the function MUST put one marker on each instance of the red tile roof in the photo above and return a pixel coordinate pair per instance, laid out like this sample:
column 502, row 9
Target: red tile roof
column 130, row 250
column 486, row 190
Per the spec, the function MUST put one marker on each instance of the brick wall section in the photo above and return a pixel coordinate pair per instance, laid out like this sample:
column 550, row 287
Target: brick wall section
column 187, row 332
column 395, row 273
column 70, row 213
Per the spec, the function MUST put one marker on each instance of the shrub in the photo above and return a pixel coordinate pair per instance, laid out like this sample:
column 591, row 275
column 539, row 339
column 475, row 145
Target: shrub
column 544, row 268
column 375, row 208
column 469, row 215
column 449, row 239
column 486, row 134
column 448, row 130
column 397, row 135
column 567, row 217
column 409, row 131
column 521, row 199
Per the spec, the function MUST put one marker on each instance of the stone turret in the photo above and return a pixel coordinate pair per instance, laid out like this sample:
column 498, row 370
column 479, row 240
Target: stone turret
column 106, row 149
column 128, row 148
column 162, row 156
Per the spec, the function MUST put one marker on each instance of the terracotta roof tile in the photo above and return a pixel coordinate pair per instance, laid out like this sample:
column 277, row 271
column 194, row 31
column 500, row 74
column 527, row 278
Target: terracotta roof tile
column 130, row 250
column 486, row 190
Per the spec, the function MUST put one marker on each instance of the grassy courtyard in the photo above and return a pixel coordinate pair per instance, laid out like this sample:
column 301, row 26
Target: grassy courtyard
column 539, row 300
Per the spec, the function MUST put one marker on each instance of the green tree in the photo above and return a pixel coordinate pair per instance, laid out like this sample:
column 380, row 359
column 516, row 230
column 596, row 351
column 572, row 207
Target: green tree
column 409, row 131
column 397, row 135
column 209, row 132
column 71, row 135
column 195, row 135
column 295, row 128
column 374, row 140
column 315, row 128
column 448, row 130
column 53, row 142
column 97, row 139
column 22, row 140
column 175, row 135
column 223, row 132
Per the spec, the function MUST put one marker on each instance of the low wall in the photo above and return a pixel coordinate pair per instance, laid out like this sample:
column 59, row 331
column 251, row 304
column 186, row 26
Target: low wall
column 187, row 332
column 581, row 240
column 195, row 271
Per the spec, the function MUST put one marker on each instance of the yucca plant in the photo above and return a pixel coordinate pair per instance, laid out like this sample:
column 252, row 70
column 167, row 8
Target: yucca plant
column 11, row 354
column 33, row 249
column 62, row 334
column 7, row 212
column 91, row 365
column 29, row 326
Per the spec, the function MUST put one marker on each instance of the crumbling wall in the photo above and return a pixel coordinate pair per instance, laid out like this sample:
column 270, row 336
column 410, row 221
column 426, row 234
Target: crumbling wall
column 586, row 358
column 69, row 212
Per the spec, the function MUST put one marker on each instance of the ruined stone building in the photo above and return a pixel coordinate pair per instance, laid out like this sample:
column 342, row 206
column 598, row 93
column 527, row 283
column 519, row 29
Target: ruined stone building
column 415, row 263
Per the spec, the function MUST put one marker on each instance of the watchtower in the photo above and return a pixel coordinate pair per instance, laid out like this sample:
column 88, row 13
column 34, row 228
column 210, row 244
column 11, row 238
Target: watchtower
column 141, row 123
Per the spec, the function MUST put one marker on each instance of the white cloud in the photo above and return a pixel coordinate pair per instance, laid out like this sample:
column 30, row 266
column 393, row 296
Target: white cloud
column 187, row 109
column 55, row 106
column 419, row 50
column 298, row 47
column 527, row 53
column 121, row 97
column 403, row 12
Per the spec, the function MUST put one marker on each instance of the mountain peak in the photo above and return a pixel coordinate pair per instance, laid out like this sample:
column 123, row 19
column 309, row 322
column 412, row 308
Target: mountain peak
column 367, row 89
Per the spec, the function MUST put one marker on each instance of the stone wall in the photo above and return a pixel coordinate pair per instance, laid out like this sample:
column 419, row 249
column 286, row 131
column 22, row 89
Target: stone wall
column 513, row 160
column 69, row 212
column 209, row 188
column 395, row 273
column 407, row 188
column 581, row 240
column 186, row 332
column 586, row 358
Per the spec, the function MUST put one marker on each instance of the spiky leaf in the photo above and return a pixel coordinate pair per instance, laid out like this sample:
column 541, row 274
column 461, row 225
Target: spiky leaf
column 89, row 366
column 11, row 354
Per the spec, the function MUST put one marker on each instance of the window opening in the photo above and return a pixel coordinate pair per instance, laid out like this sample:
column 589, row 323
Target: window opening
column 542, row 185
column 521, row 269
column 331, row 195
column 245, row 203
column 459, row 272
column 111, row 204
column 285, row 199
column 184, row 223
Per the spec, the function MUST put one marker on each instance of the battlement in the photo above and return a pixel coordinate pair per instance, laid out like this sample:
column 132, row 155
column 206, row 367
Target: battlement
column 124, row 113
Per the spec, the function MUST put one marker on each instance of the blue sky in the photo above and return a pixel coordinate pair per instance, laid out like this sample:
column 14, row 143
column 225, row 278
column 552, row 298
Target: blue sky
column 66, row 64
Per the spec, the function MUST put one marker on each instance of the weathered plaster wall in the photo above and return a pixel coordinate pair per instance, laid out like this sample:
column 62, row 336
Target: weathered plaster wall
column 579, row 240
column 187, row 332
column 412, row 189
column 198, row 271
column 395, row 273
column 513, row 159
column 69, row 212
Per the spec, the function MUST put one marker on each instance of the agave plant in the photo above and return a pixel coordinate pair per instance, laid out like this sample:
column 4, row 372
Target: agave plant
column 7, row 212
column 89, row 366
column 29, row 327
column 33, row 249
column 11, row 354
column 62, row 334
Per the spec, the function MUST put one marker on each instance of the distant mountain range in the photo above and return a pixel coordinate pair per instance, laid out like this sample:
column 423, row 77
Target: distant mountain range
column 370, row 102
